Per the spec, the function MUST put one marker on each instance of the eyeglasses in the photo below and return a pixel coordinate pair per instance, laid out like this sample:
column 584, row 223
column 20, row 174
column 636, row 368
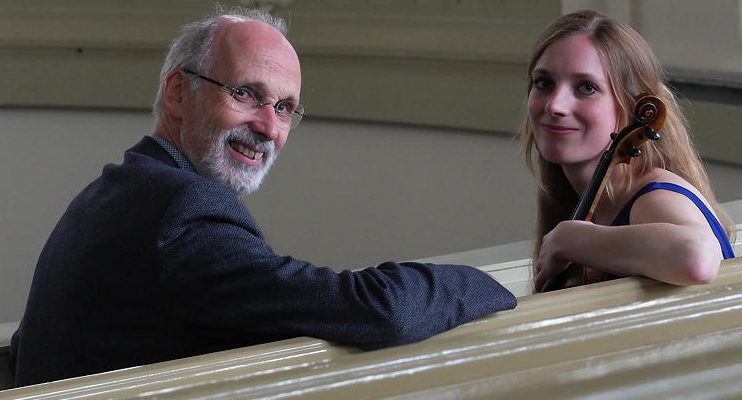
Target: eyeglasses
column 246, row 101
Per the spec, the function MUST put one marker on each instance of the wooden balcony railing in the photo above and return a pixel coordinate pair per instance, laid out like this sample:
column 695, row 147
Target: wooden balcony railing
column 631, row 338
column 628, row 338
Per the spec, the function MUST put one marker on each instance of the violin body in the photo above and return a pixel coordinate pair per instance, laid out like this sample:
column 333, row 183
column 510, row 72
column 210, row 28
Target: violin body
column 648, row 119
column 575, row 275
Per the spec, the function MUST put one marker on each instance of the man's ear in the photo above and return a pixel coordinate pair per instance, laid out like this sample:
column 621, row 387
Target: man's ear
column 173, row 92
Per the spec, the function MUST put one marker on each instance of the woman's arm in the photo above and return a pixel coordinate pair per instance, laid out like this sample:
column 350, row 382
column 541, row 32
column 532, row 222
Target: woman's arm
column 669, row 240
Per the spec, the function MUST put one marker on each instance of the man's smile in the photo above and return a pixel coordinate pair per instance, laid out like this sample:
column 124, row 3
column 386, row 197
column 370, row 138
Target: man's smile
column 245, row 151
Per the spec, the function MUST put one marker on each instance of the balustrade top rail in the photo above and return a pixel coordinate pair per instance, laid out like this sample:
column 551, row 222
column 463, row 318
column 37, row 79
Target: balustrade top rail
column 625, row 339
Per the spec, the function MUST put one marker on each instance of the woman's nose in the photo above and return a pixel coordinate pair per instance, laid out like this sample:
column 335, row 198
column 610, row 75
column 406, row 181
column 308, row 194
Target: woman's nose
column 558, row 104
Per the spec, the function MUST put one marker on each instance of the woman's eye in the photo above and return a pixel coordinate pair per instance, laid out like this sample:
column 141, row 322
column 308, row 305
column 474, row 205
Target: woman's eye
column 542, row 83
column 587, row 88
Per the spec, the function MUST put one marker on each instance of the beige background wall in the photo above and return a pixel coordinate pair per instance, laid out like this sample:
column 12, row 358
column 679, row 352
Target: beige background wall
column 343, row 194
column 410, row 151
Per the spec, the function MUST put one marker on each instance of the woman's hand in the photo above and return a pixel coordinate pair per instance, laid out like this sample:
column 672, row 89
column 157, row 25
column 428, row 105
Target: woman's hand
column 553, row 258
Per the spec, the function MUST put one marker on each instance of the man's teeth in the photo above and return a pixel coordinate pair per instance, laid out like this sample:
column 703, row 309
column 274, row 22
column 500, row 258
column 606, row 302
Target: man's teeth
column 255, row 155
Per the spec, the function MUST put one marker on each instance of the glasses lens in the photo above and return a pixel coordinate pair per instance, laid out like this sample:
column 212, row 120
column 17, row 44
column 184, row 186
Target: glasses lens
column 243, row 100
column 248, row 104
column 244, row 104
column 296, row 116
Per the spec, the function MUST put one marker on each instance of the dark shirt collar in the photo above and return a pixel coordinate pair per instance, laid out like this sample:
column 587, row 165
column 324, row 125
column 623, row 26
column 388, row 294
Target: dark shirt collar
column 179, row 158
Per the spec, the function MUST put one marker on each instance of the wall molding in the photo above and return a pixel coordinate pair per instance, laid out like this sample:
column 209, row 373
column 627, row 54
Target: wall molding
column 406, row 61
column 449, row 63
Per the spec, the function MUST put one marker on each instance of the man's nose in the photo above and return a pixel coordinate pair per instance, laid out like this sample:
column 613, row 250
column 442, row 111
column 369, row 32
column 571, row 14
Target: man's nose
column 265, row 121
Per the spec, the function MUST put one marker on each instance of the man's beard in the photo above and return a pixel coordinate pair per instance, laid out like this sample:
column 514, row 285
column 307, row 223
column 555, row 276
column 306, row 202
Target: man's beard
column 208, row 151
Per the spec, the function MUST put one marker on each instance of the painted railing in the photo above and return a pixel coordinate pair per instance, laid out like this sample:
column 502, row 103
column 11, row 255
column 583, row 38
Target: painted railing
column 628, row 338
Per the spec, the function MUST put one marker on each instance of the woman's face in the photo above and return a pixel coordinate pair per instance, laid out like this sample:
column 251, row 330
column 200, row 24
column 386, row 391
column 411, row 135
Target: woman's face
column 571, row 105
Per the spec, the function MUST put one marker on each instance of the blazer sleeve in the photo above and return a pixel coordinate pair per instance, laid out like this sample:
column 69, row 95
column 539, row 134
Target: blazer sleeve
column 219, row 273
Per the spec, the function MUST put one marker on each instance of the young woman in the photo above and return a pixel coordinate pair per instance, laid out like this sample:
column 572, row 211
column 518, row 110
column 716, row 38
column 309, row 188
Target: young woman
column 658, row 217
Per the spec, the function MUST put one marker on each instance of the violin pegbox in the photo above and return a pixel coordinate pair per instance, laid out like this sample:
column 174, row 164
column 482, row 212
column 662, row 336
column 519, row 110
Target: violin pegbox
column 648, row 118
column 651, row 134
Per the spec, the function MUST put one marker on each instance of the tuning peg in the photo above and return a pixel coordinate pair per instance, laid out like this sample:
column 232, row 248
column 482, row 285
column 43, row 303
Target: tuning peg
column 634, row 151
column 651, row 134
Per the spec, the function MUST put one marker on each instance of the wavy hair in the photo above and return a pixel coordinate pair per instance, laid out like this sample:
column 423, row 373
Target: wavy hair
column 632, row 69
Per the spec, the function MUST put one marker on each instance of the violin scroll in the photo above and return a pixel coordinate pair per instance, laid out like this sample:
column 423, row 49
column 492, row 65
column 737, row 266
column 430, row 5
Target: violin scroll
column 649, row 116
column 650, row 110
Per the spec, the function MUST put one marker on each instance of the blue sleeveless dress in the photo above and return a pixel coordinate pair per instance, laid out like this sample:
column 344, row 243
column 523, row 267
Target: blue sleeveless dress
column 623, row 217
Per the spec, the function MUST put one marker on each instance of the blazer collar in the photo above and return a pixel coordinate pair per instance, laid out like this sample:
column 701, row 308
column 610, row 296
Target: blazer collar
column 148, row 146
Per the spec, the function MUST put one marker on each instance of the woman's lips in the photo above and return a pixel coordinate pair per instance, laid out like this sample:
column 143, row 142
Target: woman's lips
column 558, row 130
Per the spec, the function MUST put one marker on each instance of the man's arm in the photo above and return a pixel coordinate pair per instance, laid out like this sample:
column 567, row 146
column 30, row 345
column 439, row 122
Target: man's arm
column 219, row 272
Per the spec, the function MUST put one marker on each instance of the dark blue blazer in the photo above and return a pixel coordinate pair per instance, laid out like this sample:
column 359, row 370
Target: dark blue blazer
column 151, row 263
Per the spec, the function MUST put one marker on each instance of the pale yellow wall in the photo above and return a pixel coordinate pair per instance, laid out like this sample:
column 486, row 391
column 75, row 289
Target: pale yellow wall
column 445, row 63
column 698, row 42
column 345, row 195
column 432, row 174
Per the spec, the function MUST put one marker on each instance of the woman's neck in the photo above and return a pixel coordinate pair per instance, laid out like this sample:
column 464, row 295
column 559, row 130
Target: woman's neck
column 580, row 176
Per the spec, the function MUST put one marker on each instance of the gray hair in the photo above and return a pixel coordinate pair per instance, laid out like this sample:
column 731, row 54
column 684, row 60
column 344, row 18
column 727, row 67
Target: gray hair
column 193, row 47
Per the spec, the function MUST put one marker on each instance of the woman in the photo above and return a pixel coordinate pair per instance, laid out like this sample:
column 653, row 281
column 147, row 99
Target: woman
column 585, row 74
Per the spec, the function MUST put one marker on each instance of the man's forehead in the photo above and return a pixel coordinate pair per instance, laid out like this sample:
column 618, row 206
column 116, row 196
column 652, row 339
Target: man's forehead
column 256, row 39
column 246, row 48
column 251, row 35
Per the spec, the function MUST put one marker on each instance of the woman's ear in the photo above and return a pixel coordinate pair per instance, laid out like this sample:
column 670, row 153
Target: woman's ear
column 173, row 92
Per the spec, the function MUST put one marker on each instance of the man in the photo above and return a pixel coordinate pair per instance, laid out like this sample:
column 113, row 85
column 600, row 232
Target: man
column 157, row 259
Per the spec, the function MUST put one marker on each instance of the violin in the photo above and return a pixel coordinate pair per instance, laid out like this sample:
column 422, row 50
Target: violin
column 647, row 120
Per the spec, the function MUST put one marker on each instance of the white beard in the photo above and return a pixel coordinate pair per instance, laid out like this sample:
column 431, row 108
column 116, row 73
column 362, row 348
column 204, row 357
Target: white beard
column 208, row 150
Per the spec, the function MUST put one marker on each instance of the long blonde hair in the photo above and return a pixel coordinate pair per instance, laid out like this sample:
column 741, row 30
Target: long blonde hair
column 632, row 69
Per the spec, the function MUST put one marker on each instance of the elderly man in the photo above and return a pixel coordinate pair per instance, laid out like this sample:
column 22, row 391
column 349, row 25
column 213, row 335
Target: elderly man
column 158, row 259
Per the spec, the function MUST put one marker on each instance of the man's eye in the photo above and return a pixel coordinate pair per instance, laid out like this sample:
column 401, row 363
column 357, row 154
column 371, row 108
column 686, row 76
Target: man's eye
column 245, row 95
column 587, row 88
column 284, row 108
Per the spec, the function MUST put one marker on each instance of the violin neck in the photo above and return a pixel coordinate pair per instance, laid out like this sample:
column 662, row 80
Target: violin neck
column 575, row 274
column 593, row 191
